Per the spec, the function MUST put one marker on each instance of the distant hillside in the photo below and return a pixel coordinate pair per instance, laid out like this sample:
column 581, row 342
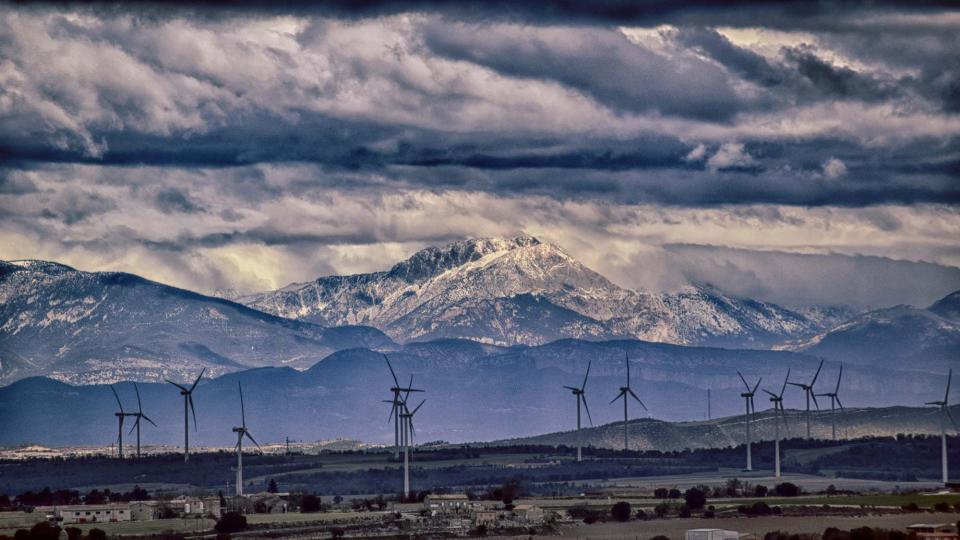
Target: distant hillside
column 897, row 337
column 474, row 392
column 89, row 327
column 650, row 434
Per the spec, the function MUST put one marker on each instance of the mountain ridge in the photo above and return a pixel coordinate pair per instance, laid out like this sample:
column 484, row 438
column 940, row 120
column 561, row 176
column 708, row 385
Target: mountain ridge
column 423, row 296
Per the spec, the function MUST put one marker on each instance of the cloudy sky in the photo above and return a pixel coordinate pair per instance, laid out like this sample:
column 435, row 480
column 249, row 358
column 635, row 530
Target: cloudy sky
column 801, row 155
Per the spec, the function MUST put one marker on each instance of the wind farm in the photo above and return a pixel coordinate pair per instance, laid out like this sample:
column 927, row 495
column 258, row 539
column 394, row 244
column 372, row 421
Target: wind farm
column 408, row 270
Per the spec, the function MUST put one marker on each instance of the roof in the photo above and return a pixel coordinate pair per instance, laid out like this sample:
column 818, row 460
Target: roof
column 449, row 497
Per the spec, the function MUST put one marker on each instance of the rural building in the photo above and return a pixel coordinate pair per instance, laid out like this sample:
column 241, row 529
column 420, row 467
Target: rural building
column 711, row 534
column 528, row 513
column 485, row 517
column 934, row 531
column 91, row 513
column 453, row 503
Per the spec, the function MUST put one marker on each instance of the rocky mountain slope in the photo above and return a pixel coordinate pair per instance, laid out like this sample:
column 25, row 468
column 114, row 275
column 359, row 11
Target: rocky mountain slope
column 900, row 337
column 474, row 392
column 85, row 327
column 523, row 291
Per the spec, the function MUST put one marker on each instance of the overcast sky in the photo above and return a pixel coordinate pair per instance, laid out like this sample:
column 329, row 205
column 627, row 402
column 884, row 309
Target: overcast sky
column 801, row 155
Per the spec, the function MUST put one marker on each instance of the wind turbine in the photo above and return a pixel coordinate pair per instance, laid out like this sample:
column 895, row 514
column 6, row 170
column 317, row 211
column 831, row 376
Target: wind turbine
column 626, row 391
column 944, row 416
column 778, row 415
column 242, row 432
column 188, row 404
column 581, row 398
column 748, row 398
column 120, row 417
column 406, row 434
column 140, row 416
column 834, row 401
column 808, row 391
column 397, row 402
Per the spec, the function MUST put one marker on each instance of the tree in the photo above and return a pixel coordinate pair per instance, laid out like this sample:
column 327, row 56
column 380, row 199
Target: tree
column 661, row 493
column 621, row 511
column 659, row 537
column 675, row 493
column 760, row 491
column 44, row 531
column 272, row 486
column 21, row 534
column 309, row 503
column 231, row 522
column 695, row 498
column 337, row 499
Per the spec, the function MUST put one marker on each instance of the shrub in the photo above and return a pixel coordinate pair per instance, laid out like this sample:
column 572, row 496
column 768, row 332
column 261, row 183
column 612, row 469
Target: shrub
column 661, row 509
column 21, row 534
column 231, row 522
column 337, row 532
column 911, row 507
column 675, row 493
column 695, row 498
column 786, row 489
column 661, row 493
column 74, row 533
column 942, row 507
column 590, row 519
column 44, row 531
column 97, row 534
column 659, row 537
column 621, row 511
column 641, row 515
column 481, row 530
column 684, row 511
column 223, row 536
column 760, row 491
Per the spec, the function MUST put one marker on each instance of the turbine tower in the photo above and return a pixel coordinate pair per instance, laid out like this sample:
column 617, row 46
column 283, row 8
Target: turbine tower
column 944, row 416
column 140, row 416
column 397, row 402
column 242, row 432
column 748, row 398
column 581, row 395
column 406, row 434
column 779, row 415
column 808, row 391
column 121, row 415
column 625, row 393
column 188, row 404
column 834, row 401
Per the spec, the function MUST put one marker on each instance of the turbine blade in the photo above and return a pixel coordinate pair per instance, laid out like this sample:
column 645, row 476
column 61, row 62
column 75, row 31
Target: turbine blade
column 200, row 376
column 838, row 401
column 950, row 416
column 587, row 408
column 744, row 381
column 254, row 441
column 134, row 426
column 946, row 396
column 840, row 376
column 147, row 418
column 785, row 381
column 243, row 414
column 584, row 385
column 754, row 391
column 139, row 404
column 817, row 374
column 771, row 393
column 194, row 411
column 177, row 385
column 801, row 385
column 626, row 358
column 392, row 373
column 638, row 399
column 572, row 389
column 112, row 389
column 814, row 396
column 414, row 411
column 621, row 394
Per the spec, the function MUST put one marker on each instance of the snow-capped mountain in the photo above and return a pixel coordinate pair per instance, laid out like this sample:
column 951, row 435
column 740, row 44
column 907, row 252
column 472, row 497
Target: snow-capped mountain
column 524, row 291
column 86, row 327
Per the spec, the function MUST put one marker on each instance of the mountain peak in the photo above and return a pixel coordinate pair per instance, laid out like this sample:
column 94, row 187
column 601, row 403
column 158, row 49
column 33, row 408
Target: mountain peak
column 432, row 261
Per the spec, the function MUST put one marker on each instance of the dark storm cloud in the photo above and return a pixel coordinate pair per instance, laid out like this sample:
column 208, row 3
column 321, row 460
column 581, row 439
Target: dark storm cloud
column 603, row 63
